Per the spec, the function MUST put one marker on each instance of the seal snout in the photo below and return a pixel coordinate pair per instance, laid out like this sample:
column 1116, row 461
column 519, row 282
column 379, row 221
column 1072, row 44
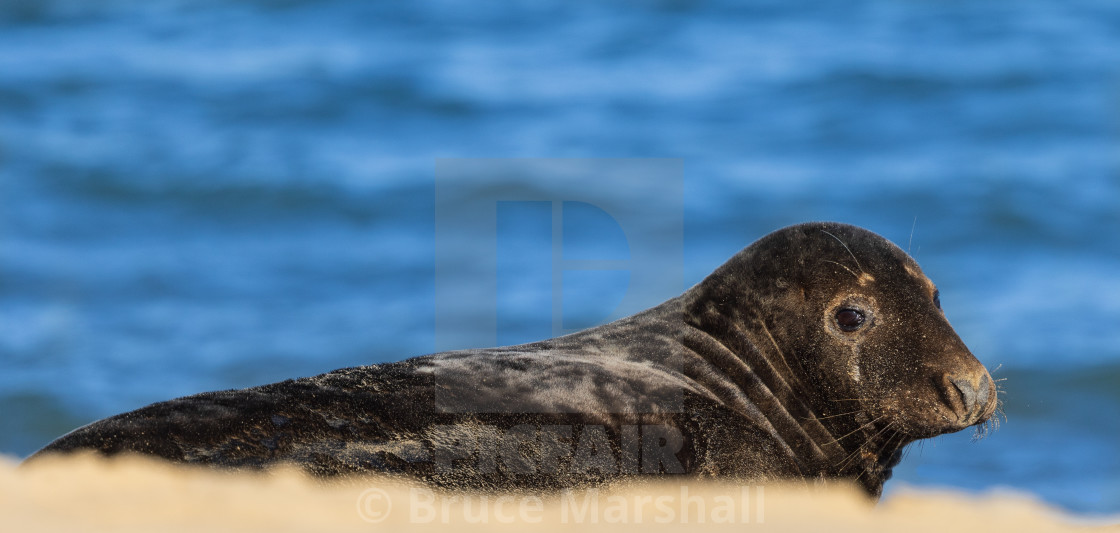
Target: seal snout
column 976, row 395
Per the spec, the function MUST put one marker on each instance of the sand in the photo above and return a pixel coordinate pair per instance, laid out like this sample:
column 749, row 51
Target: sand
column 89, row 494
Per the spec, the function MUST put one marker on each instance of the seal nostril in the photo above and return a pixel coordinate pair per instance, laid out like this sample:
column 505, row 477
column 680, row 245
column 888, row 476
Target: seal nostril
column 984, row 391
column 969, row 394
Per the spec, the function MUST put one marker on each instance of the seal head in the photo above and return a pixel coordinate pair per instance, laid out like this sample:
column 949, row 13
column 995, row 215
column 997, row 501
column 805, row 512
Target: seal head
column 852, row 351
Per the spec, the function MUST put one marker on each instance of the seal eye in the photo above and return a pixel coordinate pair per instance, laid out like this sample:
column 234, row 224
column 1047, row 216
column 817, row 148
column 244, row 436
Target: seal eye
column 937, row 299
column 850, row 319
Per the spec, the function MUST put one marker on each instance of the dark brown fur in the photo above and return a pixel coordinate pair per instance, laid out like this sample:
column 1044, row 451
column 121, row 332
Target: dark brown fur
column 746, row 376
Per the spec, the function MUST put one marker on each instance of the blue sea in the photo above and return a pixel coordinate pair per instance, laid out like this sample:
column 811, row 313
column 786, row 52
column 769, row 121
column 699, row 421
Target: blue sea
column 200, row 195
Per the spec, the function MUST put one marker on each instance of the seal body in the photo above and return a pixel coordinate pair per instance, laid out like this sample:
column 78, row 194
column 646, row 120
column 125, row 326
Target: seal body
column 819, row 351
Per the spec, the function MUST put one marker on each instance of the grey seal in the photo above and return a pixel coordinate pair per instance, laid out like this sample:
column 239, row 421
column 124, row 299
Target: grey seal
column 819, row 351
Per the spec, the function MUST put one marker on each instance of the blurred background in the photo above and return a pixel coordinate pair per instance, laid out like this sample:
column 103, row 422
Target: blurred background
column 197, row 195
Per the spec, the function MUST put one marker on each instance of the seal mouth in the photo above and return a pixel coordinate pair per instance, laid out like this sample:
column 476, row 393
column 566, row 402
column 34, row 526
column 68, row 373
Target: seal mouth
column 965, row 400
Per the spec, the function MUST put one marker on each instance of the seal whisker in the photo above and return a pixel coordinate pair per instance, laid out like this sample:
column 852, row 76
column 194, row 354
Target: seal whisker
column 985, row 429
column 782, row 358
column 913, row 227
column 866, row 441
column 850, row 459
column 839, row 414
column 883, row 449
column 850, row 271
column 846, row 248
column 857, row 430
column 906, row 451
column 992, row 424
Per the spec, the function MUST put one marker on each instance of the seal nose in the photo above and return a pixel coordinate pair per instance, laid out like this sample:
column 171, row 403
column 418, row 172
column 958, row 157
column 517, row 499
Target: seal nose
column 975, row 393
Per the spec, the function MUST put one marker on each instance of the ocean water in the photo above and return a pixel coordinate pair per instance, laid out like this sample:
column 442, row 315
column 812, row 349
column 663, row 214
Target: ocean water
column 197, row 195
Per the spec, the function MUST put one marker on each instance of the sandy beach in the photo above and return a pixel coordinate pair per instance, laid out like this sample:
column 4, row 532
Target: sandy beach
column 137, row 494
